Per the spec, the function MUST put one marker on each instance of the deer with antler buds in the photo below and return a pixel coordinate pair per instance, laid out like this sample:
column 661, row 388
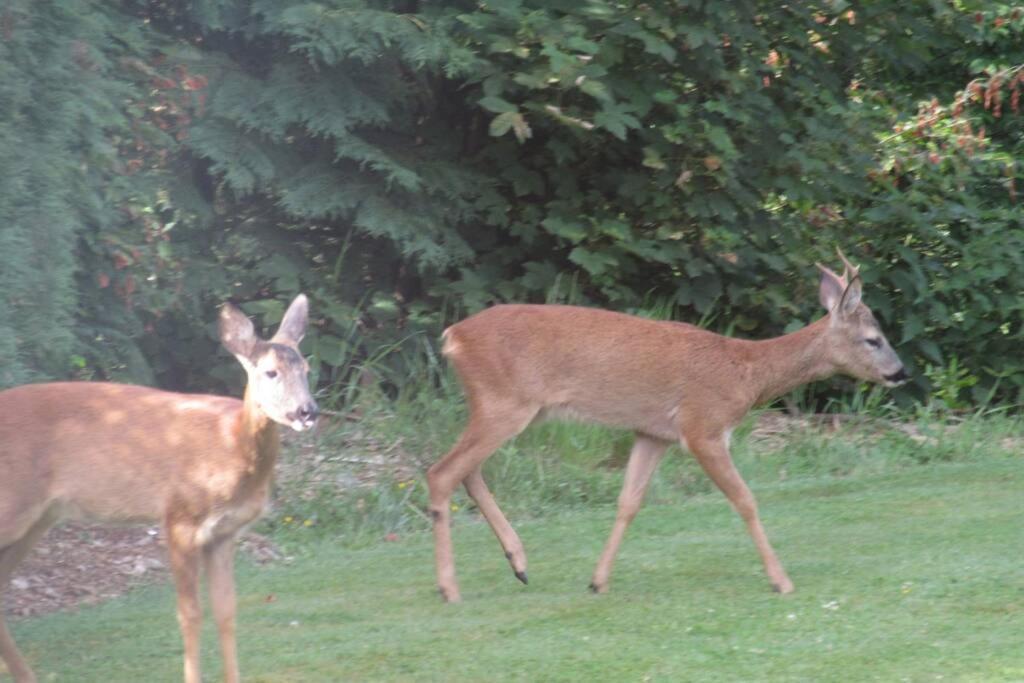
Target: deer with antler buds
column 668, row 382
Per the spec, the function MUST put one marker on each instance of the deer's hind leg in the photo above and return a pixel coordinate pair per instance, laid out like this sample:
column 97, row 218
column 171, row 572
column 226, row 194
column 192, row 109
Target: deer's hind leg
column 11, row 556
column 477, row 489
column 487, row 429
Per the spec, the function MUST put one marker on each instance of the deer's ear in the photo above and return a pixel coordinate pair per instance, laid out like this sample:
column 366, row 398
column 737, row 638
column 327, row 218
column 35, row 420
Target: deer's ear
column 237, row 333
column 294, row 322
column 831, row 288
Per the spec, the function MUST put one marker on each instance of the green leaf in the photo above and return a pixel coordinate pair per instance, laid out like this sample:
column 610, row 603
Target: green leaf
column 652, row 158
column 511, row 120
column 930, row 349
column 270, row 310
column 496, row 104
column 594, row 262
column 534, row 80
column 574, row 232
column 618, row 230
column 912, row 327
column 719, row 138
column 582, row 45
column 616, row 119
column 595, row 89
column 331, row 350
column 501, row 124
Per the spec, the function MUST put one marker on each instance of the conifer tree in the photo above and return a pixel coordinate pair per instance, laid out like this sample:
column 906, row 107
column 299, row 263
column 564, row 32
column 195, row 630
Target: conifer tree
column 56, row 104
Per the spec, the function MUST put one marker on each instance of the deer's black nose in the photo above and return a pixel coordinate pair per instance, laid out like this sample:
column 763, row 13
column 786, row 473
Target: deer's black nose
column 309, row 412
column 898, row 376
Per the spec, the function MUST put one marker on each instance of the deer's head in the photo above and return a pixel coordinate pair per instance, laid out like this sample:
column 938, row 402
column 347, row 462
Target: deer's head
column 857, row 345
column 277, row 371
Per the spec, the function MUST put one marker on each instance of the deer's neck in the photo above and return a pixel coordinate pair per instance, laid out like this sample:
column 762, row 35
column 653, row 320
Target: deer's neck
column 258, row 437
column 787, row 362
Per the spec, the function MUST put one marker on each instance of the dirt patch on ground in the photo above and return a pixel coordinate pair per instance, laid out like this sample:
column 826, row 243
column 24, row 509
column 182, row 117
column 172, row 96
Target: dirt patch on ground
column 79, row 564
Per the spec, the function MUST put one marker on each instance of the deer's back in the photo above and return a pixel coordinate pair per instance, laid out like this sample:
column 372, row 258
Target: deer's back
column 114, row 451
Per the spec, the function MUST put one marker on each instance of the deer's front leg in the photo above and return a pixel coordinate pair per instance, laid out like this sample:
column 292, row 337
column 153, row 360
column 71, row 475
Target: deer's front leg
column 643, row 460
column 184, row 556
column 220, row 575
column 713, row 455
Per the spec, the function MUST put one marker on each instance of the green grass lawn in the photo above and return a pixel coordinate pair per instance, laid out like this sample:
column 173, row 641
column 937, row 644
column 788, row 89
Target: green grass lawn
column 913, row 575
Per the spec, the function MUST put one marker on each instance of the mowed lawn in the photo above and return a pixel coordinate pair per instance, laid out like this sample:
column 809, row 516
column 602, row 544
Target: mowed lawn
column 916, row 575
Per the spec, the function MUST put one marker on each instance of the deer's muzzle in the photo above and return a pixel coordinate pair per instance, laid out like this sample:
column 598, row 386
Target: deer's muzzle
column 305, row 417
column 898, row 377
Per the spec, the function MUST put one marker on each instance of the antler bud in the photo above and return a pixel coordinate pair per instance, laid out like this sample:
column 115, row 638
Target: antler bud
column 850, row 271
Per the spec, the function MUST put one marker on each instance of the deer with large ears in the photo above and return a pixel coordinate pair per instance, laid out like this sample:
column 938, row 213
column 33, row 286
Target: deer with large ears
column 667, row 382
column 200, row 465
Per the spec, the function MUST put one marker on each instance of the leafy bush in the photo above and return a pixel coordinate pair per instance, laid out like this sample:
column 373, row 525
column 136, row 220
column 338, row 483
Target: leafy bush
column 407, row 163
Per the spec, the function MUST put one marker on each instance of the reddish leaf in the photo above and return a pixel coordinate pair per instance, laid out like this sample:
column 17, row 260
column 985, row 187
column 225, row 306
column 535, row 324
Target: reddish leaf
column 194, row 82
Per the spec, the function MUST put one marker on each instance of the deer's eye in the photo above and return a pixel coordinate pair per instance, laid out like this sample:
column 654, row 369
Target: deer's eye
column 271, row 374
column 873, row 342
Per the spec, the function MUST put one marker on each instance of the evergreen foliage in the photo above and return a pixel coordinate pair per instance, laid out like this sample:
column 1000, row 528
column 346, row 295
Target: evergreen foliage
column 406, row 162
column 339, row 124
column 53, row 105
